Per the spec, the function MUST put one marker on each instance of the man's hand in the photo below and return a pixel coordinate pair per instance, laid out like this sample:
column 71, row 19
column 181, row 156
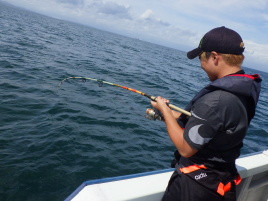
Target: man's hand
column 160, row 104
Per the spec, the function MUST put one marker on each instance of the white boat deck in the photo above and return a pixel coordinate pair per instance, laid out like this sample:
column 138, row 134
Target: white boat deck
column 150, row 186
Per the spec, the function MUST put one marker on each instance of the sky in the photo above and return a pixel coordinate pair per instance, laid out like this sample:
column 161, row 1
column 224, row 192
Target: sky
column 178, row 24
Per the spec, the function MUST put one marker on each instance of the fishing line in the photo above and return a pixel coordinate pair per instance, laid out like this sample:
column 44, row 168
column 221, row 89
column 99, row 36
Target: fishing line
column 101, row 82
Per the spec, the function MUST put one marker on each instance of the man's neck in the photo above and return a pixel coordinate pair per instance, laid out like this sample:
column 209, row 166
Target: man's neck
column 227, row 70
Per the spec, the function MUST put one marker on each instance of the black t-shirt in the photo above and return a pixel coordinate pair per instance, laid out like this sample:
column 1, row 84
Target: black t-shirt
column 217, row 127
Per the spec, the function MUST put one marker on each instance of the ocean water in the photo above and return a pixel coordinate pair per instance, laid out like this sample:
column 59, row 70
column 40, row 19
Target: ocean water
column 51, row 139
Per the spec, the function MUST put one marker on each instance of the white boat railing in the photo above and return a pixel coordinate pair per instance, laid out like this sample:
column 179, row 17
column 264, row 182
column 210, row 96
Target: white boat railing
column 150, row 186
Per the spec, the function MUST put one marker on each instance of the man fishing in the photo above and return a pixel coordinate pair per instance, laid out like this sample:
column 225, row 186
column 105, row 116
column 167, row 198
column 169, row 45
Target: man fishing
column 209, row 141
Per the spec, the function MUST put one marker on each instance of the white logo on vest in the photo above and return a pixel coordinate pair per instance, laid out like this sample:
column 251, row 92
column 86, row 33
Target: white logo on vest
column 200, row 176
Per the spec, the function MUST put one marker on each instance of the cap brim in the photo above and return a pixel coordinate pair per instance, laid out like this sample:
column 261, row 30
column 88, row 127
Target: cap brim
column 194, row 53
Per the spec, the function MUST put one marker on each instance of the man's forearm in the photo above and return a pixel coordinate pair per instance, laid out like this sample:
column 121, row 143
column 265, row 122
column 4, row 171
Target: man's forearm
column 176, row 134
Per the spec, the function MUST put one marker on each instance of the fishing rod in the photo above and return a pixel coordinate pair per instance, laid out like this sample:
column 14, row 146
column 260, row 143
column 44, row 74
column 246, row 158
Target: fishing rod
column 101, row 82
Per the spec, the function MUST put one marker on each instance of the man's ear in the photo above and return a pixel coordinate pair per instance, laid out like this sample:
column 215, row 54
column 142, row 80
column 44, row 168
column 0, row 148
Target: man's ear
column 215, row 57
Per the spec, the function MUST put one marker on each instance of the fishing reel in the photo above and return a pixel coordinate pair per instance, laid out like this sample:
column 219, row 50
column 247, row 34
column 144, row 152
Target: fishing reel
column 154, row 114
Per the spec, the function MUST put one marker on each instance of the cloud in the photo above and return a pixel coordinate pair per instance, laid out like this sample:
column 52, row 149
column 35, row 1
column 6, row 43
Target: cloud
column 111, row 8
column 147, row 16
column 73, row 2
column 255, row 50
column 222, row 6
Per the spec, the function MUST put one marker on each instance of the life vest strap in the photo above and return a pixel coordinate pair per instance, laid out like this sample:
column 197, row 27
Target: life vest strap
column 237, row 180
column 222, row 189
column 191, row 168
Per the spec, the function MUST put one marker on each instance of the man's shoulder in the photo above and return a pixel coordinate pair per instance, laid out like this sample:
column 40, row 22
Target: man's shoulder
column 222, row 103
column 219, row 101
column 219, row 97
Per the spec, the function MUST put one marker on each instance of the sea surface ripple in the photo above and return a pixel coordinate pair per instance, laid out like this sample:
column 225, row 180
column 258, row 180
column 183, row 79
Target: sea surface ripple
column 52, row 139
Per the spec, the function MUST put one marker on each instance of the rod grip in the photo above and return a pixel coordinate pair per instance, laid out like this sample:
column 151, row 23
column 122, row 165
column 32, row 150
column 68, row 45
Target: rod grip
column 180, row 110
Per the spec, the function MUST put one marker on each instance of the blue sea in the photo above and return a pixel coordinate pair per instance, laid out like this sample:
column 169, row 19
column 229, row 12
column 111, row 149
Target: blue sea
column 52, row 139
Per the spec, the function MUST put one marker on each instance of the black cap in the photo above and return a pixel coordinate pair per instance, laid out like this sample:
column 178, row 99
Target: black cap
column 221, row 40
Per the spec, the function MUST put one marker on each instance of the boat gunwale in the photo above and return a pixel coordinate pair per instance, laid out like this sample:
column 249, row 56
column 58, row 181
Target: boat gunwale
column 116, row 178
